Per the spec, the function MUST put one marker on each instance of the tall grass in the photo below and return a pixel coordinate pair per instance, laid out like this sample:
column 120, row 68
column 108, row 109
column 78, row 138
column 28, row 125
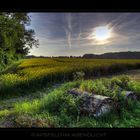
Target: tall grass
column 59, row 109
column 34, row 74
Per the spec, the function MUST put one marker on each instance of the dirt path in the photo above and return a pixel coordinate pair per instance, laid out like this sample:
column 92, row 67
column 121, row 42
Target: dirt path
column 134, row 75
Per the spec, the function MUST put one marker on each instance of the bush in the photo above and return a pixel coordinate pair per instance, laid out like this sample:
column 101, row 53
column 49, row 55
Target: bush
column 134, row 86
column 121, row 81
column 78, row 75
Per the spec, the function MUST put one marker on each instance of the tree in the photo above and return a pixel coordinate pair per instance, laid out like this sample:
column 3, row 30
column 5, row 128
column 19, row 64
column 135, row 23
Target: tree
column 15, row 39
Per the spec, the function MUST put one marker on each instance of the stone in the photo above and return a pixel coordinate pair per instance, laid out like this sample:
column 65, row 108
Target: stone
column 130, row 95
column 92, row 104
column 103, row 109
column 96, row 105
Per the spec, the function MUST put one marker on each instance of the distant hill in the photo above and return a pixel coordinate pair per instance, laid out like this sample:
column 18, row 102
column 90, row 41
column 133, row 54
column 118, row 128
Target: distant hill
column 110, row 55
column 114, row 55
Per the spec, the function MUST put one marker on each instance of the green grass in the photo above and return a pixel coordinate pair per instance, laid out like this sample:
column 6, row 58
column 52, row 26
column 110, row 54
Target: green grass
column 28, row 98
column 30, row 75
column 59, row 109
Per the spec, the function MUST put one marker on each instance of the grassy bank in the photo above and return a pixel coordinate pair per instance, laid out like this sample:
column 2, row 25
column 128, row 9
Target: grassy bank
column 29, row 96
column 59, row 109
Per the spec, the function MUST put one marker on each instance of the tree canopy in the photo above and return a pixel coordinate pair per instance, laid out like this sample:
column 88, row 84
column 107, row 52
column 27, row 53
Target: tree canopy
column 15, row 39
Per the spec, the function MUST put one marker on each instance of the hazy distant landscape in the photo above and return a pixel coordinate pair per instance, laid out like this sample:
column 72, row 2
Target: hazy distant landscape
column 111, row 55
column 70, row 85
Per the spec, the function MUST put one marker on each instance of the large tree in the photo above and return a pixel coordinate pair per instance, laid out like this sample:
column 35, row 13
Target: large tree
column 15, row 39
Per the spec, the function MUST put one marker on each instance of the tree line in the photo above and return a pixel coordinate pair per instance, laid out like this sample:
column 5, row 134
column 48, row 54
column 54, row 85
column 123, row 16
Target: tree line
column 114, row 55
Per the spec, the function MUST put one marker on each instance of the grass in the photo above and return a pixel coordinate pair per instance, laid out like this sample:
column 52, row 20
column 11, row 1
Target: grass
column 59, row 109
column 30, row 75
column 28, row 98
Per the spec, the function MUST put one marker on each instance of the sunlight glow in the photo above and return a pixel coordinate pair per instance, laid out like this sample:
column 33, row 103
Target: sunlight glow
column 101, row 34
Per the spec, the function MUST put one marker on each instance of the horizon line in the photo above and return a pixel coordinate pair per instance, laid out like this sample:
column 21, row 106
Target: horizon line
column 79, row 55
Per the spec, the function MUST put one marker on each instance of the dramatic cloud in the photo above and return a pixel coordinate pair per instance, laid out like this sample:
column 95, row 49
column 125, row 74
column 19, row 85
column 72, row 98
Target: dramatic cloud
column 73, row 33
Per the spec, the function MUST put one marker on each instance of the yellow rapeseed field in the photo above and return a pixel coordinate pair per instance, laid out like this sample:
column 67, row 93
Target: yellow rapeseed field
column 38, row 71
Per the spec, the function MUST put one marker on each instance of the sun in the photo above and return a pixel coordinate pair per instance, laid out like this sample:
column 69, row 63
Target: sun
column 101, row 34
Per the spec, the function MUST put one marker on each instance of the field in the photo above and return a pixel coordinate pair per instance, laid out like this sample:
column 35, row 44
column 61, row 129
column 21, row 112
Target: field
column 32, row 74
column 33, row 92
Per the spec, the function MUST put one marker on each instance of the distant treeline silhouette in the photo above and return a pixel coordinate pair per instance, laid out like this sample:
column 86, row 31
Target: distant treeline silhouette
column 33, row 56
column 114, row 55
column 110, row 55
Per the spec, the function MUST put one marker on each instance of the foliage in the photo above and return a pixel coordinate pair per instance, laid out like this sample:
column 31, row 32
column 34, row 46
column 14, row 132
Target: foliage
column 59, row 109
column 29, row 75
column 28, row 121
column 79, row 75
column 134, row 86
column 15, row 38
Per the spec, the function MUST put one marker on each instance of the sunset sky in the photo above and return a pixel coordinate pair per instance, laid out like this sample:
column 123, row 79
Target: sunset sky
column 65, row 34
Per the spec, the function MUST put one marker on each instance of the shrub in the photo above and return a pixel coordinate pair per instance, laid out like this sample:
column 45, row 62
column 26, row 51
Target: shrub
column 121, row 81
column 58, row 102
column 78, row 75
column 134, row 86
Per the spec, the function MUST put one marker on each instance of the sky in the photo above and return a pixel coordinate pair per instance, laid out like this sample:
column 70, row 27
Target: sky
column 66, row 34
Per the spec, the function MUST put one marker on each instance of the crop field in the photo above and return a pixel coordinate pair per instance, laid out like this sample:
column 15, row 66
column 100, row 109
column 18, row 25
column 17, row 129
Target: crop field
column 35, row 73
column 33, row 92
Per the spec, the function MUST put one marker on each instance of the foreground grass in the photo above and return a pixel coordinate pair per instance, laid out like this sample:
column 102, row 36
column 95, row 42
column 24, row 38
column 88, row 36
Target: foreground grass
column 28, row 99
column 59, row 109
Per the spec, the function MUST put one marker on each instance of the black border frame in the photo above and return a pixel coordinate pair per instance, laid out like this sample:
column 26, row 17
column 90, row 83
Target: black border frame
column 69, row 6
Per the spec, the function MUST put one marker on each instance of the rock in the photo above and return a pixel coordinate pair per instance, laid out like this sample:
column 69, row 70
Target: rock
column 103, row 109
column 95, row 105
column 103, row 104
column 130, row 95
column 91, row 104
column 77, row 92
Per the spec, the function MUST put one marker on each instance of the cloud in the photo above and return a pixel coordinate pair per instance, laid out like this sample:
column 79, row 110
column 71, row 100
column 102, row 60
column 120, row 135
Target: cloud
column 70, row 32
column 68, row 28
